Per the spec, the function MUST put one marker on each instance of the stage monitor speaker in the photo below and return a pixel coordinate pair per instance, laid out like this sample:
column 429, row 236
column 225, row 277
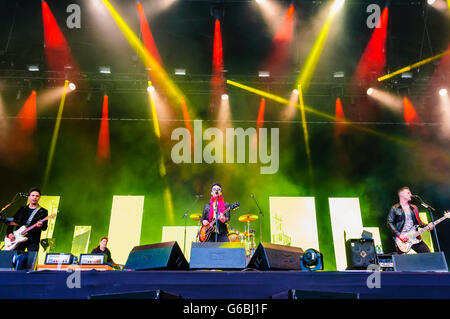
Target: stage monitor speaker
column 314, row 294
column 276, row 257
column 360, row 253
column 153, row 294
column 211, row 255
column 23, row 260
column 166, row 255
column 420, row 262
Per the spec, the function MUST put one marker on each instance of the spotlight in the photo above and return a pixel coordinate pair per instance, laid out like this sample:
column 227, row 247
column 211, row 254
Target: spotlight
column 337, row 5
column 407, row 75
column 33, row 68
column 369, row 91
column 150, row 88
column 180, row 71
column 339, row 74
column 264, row 74
column 104, row 69
column 295, row 91
column 224, row 96
column 430, row 2
column 259, row 1
column 311, row 260
column 72, row 86
column 443, row 92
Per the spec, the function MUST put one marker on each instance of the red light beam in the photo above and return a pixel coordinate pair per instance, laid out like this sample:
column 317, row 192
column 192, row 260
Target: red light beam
column 57, row 51
column 26, row 119
column 103, row 148
column 147, row 35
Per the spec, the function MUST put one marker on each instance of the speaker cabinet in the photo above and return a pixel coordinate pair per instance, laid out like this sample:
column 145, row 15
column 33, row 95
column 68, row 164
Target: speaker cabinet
column 211, row 255
column 157, row 256
column 276, row 257
column 420, row 262
column 360, row 253
column 27, row 260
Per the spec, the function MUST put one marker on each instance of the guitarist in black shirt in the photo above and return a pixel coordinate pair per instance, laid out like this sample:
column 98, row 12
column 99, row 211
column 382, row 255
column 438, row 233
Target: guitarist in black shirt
column 29, row 215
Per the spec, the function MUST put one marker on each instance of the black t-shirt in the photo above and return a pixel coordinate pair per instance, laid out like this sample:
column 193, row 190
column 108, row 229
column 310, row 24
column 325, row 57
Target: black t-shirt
column 104, row 252
column 21, row 217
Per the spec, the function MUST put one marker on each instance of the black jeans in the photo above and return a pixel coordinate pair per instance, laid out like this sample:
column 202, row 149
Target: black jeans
column 29, row 246
column 418, row 248
column 221, row 238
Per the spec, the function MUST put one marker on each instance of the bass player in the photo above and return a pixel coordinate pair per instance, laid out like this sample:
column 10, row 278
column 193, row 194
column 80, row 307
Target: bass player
column 404, row 217
column 214, row 210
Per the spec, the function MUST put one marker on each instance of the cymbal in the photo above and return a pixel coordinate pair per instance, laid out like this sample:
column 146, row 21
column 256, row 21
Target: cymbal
column 195, row 216
column 248, row 218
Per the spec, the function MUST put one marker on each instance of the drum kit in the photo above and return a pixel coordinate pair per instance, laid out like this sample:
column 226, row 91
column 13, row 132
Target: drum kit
column 247, row 237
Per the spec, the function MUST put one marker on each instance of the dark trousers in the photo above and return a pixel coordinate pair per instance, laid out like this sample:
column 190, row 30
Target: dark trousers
column 27, row 245
column 418, row 248
column 221, row 238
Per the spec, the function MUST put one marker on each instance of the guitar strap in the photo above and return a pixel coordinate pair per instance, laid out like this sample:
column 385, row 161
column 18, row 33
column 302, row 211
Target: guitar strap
column 32, row 215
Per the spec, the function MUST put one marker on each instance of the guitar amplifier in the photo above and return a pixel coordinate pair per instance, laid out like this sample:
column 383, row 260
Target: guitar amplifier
column 58, row 259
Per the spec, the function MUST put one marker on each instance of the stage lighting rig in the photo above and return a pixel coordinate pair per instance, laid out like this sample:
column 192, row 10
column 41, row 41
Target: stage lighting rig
column 311, row 260
column 218, row 12
column 33, row 67
column 104, row 69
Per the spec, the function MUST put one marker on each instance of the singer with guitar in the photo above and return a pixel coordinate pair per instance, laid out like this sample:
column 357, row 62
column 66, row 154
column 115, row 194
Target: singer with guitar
column 404, row 218
column 215, row 209
column 26, row 216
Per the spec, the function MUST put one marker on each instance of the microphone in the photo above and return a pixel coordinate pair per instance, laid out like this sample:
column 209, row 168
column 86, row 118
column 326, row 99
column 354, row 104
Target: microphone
column 422, row 202
column 24, row 194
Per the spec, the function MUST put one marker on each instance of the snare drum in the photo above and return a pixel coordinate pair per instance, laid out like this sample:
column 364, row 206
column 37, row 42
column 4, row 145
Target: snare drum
column 233, row 235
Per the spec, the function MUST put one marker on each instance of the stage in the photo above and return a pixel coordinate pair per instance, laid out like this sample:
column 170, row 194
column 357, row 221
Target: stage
column 199, row 284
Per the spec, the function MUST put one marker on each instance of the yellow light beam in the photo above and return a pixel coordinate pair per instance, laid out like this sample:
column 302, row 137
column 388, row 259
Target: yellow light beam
column 305, row 131
column 310, row 65
column 158, row 72
column 284, row 101
column 413, row 66
column 151, row 101
column 55, row 135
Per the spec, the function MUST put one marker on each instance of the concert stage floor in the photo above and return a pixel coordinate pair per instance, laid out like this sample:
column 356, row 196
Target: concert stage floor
column 248, row 284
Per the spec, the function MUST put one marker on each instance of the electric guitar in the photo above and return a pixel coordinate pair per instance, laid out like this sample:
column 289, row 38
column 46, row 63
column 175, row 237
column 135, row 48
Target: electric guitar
column 207, row 230
column 413, row 234
column 20, row 235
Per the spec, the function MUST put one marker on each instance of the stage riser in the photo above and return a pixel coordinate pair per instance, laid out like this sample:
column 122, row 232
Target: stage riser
column 222, row 285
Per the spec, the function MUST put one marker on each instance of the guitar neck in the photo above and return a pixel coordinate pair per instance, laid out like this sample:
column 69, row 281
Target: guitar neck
column 32, row 226
column 435, row 223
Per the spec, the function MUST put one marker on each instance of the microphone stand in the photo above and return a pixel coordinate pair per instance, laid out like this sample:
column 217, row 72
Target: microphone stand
column 185, row 220
column 260, row 219
column 430, row 210
column 7, row 220
column 216, row 213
